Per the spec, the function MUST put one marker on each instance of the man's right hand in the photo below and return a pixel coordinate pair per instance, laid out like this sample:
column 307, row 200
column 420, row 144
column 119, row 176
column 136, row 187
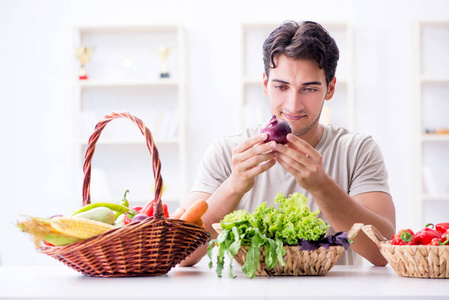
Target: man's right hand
column 250, row 159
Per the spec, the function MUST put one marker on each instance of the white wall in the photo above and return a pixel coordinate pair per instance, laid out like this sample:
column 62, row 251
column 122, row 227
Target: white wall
column 35, row 90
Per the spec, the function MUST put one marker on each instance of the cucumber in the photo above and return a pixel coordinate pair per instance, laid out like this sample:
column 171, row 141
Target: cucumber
column 101, row 214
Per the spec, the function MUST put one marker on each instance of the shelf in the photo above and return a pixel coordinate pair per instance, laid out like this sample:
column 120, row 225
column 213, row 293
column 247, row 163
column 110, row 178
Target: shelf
column 124, row 75
column 434, row 79
column 431, row 85
column 441, row 197
column 132, row 141
column 429, row 137
column 125, row 83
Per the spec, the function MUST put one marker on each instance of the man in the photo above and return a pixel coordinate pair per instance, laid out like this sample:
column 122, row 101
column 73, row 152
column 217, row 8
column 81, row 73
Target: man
column 341, row 173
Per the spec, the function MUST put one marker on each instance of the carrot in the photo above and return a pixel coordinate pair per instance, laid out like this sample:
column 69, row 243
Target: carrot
column 199, row 222
column 195, row 211
column 178, row 213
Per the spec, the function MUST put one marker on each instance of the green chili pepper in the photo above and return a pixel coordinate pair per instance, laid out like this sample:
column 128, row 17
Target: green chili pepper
column 124, row 202
column 115, row 207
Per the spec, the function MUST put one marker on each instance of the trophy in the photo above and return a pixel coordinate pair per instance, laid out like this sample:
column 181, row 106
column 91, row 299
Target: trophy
column 164, row 51
column 83, row 55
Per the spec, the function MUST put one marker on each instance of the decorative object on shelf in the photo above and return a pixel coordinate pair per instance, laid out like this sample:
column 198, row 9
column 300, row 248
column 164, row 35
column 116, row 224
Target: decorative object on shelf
column 442, row 130
column 326, row 115
column 164, row 51
column 83, row 54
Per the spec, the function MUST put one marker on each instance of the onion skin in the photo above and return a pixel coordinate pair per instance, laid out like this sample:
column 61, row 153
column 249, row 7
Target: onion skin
column 277, row 130
column 139, row 217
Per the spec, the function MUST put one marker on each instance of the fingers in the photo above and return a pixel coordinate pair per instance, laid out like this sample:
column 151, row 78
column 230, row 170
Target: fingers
column 252, row 149
column 300, row 145
column 253, row 157
column 298, row 157
column 251, row 142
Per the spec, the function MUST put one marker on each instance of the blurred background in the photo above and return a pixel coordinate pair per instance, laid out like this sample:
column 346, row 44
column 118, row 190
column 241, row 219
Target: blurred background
column 393, row 83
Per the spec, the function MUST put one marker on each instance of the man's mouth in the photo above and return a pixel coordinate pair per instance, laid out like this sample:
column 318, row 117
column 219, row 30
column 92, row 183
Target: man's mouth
column 295, row 117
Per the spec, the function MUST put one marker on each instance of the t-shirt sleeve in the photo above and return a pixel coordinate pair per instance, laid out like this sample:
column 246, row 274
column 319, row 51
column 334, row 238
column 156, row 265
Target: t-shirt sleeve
column 214, row 169
column 370, row 173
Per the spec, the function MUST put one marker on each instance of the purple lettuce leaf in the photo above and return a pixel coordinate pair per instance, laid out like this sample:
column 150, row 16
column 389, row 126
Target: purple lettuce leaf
column 339, row 239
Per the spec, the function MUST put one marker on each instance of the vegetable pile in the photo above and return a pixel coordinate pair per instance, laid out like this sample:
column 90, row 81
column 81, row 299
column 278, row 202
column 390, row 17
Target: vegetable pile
column 292, row 223
column 97, row 218
column 433, row 235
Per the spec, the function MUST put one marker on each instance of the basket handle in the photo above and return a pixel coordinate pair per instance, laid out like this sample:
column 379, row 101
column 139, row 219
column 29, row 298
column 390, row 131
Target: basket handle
column 158, row 183
column 374, row 234
column 352, row 232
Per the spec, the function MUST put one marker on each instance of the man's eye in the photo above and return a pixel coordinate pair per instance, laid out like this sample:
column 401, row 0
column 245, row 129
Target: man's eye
column 280, row 87
column 310, row 90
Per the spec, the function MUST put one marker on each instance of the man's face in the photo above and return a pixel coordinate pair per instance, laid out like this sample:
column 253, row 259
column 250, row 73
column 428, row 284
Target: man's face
column 296, row 90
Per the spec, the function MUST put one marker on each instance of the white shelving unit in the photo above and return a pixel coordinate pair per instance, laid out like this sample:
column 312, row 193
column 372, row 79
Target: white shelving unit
column 253, row 106
column 124, row 75
column 432, row 123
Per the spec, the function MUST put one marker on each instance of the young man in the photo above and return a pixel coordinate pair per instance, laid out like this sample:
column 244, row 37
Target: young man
column 341, row 173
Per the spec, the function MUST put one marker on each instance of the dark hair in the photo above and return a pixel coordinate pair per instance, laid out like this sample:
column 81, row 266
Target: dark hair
column 306, row 40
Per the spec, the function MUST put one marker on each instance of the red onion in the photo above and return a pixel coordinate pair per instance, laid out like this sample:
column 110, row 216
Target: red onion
column 139, row 217
column 277, row 130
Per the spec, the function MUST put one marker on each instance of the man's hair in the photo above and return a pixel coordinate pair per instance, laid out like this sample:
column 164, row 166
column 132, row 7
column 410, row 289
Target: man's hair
column 306, row 40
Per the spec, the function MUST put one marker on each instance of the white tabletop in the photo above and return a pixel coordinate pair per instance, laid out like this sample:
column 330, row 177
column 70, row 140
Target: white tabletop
column 199, row 282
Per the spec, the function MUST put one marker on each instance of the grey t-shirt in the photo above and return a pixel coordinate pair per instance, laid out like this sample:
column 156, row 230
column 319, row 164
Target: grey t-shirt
column 353, row 160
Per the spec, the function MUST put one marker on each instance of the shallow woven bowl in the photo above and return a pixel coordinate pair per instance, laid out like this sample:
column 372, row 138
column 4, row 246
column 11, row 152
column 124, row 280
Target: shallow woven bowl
column 419, row 261
column 297, row 262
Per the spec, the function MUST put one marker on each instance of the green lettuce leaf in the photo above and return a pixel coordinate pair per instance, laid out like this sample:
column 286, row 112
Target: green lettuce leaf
column 291, row 223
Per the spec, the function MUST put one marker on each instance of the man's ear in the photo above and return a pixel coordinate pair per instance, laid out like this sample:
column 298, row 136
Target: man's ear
column 265, row 83
column 331, row 89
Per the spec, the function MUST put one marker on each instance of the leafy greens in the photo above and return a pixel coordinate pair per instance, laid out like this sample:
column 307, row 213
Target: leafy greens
column 292, row 223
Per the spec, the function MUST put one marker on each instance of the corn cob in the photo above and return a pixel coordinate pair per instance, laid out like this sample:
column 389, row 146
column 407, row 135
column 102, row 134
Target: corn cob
column 79, row 227
column 41, row 229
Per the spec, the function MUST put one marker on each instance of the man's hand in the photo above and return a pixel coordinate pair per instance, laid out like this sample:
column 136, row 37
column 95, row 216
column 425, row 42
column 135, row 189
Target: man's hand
column 250, row 159
column 303, row 162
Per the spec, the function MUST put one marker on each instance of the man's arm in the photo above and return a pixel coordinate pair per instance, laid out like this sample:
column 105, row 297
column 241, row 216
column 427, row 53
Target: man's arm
column 341, row 210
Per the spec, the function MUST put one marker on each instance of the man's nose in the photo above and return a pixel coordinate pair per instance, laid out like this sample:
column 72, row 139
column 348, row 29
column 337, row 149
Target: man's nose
column 294, row 102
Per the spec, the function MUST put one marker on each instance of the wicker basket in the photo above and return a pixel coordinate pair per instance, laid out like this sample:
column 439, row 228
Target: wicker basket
column 147, row 248
column 420, row 261
column 297, row 262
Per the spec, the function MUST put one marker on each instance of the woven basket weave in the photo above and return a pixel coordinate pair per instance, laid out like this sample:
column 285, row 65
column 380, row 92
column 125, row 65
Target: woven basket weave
column 297, row 262
column 147, row 248
column 420, row 261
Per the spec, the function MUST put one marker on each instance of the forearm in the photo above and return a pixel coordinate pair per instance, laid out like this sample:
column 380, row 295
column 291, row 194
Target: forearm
column 342, row 212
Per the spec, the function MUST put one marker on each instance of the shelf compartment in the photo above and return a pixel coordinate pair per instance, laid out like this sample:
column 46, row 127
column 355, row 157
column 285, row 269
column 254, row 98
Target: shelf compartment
column 108, row 83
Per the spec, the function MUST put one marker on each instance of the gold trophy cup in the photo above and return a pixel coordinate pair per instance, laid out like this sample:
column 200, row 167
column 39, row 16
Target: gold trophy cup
column 83, row 54
column 164, row 51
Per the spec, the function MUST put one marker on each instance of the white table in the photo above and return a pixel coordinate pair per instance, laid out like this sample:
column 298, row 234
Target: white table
column 199, row 282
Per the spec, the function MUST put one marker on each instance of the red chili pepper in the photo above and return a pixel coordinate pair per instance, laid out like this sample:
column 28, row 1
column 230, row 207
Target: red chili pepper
column 426, row 235
column 404, row 237
column 442, row 241
column 149, row 209
column 445, row 237
column 48, row 244
column 442, row 227
column 130, row 215
column 165, row 210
